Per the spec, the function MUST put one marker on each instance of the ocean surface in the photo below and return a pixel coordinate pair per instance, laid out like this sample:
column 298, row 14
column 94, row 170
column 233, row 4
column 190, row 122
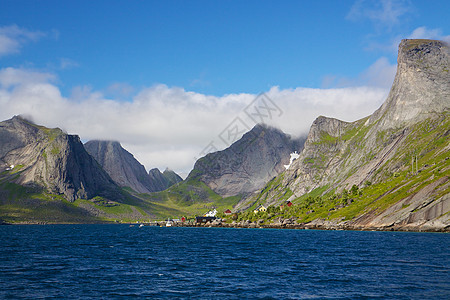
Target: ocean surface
column 118, row 261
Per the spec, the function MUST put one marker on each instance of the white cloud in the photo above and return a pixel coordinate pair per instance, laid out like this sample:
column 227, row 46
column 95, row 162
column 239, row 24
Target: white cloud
column 10, row 77
column 383, row 14
column 380, row 75
column 120, row 90
column 13, row 37
column 66, row 63
column 168, row 126
column 418, row 33
column 425, row 33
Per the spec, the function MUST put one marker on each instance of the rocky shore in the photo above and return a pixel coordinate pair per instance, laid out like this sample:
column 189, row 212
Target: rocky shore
column 316, row 225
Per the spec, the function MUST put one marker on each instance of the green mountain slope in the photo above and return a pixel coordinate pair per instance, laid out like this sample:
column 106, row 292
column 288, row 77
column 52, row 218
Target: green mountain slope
column 389, row 170
column 409, row 189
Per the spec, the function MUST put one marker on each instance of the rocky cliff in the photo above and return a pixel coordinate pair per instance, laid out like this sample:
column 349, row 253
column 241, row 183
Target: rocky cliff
column 247, row 164
column 49, row 159
column 126, row 171
column 121, row 165
column 421, row 85
column 399, row 154
column 161, row 181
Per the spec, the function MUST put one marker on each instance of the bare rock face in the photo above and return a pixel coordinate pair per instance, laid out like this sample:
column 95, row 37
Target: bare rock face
column 126, row 171
column 341, row 153
column 338, row 154
column 53, row 160
column 158, row 181
column 161, row 181
column 121, row 165
column 421, row 85
column 248, row 164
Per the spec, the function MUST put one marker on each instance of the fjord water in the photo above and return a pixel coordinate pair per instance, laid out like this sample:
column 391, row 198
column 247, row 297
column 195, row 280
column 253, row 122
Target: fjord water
column 118, row 261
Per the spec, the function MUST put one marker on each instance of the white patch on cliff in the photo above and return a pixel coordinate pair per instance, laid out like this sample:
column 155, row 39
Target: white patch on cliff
column 294, row 156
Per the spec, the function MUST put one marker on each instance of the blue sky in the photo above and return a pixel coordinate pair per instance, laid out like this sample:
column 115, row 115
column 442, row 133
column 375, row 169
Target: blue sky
column 211, row 47
column 176, row 55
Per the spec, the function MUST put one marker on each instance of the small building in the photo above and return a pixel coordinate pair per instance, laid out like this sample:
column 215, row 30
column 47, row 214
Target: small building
column 286, row 204
column 260, row 208
column 204, row 219
column 211, row 213
column 227, row 212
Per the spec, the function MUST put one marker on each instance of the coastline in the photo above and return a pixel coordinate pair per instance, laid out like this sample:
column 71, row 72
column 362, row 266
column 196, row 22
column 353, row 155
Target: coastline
column 319, row 227
column 259, row 225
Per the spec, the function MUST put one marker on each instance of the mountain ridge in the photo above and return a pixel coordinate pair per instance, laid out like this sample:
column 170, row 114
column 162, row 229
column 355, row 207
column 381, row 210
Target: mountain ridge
column 248, row 163
column 381, row 149
column 126, row 170
column 55, row 160
column 387, row 171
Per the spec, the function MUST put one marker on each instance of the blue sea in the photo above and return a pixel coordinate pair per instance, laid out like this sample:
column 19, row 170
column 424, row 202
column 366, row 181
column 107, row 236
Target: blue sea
column 122, row 262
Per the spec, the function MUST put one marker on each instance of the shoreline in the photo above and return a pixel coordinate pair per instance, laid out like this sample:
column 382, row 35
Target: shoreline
column 319, row 227
column 307, row 226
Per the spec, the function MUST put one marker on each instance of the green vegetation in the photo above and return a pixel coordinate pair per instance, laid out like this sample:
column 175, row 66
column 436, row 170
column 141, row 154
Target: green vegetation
column 188, row 198
column 55, row 150
column 20, row 204
column 394, row 181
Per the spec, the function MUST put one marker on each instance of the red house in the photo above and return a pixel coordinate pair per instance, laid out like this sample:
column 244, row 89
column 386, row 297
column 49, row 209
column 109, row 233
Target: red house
column 287, row 203
column 227, row 212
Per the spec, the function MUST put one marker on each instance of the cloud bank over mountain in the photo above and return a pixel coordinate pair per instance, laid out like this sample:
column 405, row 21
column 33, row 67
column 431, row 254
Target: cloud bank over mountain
column 76, row 78
column 169, row 126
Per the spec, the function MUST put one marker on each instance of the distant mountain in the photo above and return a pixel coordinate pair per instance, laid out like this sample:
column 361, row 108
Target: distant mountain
column 161, row 181
column 248, row 164
column 126, row 171
column 52, row 161
column 388, row 171
column 171, row 177
column 396, row 160
column 121, row 165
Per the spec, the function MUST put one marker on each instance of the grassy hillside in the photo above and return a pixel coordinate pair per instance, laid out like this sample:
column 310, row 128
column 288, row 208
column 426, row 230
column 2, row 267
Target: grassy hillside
column 396, row 179
column 189, row 198
column 20, row 204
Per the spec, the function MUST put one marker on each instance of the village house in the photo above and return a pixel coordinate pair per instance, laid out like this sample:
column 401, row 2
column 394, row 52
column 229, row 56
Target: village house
column 260, row 208
column 286, row 204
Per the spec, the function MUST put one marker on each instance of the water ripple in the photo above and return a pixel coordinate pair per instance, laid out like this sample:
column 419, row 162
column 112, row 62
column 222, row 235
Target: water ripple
column 119, row 262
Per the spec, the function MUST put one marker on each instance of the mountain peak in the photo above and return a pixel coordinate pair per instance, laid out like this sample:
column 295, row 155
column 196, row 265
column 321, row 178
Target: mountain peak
column 421, row 85
column 53, row 160
column 247, row 164
column 120, row 164
column 427, row 58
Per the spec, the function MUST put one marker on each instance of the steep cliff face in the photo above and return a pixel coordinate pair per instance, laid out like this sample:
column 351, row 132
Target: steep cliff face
column 402, row 149
column 121, row 165
column 421, row 85
column 49, row 158
column 126, row 171
column 157, row 180
column 248, row 164
column 343, row 154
